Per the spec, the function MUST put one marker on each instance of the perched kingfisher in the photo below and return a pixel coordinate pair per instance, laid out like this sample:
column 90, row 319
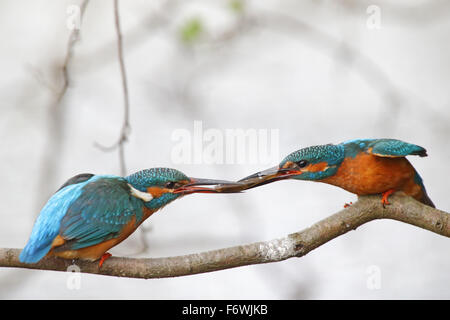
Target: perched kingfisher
column 363, row 167
column 90, row 213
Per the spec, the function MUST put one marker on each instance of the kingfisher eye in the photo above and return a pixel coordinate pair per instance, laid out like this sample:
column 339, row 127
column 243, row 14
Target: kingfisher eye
column 170, row 185
column 302, row 163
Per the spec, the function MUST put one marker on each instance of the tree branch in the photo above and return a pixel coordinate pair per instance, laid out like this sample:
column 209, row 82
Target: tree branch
column 126, row 122
column 367, row 208
column 56, row 122
column 126, row 118
column 73, row 38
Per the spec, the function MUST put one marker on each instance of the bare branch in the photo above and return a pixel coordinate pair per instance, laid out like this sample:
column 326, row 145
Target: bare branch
column 126, row 118
column 55, row 125
column 73, row 38
column 367, row 208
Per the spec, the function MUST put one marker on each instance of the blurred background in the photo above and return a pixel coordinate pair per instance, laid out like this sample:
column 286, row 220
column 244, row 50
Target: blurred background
column 317, row 71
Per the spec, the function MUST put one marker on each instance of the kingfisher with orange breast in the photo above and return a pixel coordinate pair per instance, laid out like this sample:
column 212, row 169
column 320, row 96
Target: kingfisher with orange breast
column 363, row 167
column 90, row 213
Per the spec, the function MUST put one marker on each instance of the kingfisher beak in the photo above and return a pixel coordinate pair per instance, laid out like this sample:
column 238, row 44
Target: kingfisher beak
column 267, row 176
column 198, row 185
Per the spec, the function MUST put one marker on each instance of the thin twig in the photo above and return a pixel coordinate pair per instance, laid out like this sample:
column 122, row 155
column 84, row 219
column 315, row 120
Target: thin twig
column 55, row 125
column 73, row 38
column 124, row 132
column 126, row 120
column 367, row 208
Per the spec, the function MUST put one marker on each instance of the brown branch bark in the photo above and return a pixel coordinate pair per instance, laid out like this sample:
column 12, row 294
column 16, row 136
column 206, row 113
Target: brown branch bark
column 368, row 208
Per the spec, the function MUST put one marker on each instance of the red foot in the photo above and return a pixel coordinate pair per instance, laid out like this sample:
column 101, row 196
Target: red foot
column 385, row 196
column 105, row 256
column 348, row 204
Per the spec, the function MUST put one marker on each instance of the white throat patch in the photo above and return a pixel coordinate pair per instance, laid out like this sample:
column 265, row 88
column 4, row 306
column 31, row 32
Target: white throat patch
column 145, row 196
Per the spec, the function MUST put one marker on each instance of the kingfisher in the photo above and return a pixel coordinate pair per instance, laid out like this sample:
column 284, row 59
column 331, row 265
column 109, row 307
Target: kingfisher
column 361, row 166
column 89, row 214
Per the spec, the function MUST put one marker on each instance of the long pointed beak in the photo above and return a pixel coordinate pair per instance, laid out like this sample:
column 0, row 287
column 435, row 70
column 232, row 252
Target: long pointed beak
column 198, row 185
column 267, row 176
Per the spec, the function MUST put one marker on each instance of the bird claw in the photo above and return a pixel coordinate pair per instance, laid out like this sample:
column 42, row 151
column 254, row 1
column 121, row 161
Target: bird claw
column 105, row 256
column 385, row 196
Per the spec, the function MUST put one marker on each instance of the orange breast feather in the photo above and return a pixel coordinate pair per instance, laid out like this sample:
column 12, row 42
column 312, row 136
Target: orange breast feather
column 369, row 174
column 96, row 251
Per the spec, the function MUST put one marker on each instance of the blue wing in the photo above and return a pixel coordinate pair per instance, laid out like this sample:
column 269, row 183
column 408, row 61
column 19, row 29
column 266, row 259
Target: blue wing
column 100, row 213
column 84, row 214
column 394, row 148
column 46, row 227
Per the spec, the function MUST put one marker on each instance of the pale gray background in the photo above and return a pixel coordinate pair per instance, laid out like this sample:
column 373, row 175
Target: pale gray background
column 311, row 69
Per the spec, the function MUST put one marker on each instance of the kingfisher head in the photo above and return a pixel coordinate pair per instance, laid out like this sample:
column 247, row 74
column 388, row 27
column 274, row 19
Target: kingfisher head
column 312, row 163
column 159, row 186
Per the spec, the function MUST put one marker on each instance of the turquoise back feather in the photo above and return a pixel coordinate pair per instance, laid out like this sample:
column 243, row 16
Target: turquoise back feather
column 88, row 210
column 333, row 155
column 47, row 224
column 383, row 147
column 100, row 213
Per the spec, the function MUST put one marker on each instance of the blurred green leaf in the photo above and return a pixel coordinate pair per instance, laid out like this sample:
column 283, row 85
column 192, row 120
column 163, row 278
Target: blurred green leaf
column 236, row 6
column 191, row 30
